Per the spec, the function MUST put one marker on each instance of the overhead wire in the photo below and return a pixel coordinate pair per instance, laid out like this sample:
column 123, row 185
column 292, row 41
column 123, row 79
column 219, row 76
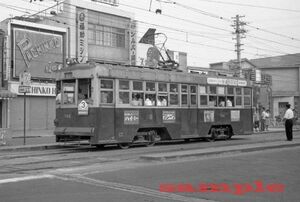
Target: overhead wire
column 194, row 42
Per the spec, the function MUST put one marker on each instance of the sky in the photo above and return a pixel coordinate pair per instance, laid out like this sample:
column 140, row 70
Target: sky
column 203, row 28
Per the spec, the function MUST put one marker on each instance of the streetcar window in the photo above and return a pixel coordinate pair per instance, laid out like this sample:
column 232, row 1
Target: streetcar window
column 184, row 94
column 108, row 84
column 150, row 99
column 193, row 89
column 58, row 92
column 174, row 94
column 238, row 91
column 123, row 92
column 212, row 101
column 247, row 91
column 123, row 85
column 184, row 98
column 106, row 92
column 162, row 87
column 137, row 99
column 106, row 97
column 221, row 101
column 193, row 99
column 173, row 88
column 238, row 101
column 202, row 89
column 247, row 96
column 212, row 90
column 230, row 90
column 221, row 90
column 173, row 99
column 137, row 85
column 203, row 100
column 230, row 101
column 123, row 97
column 193, row 94
column 247, row 101
column 150, row 86
column 184, row 89
column 162, row 100
column 69, row 92
column 84, row 89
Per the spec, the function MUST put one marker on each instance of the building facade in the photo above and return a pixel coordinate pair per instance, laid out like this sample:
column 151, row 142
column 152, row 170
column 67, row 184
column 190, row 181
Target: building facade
column 285, row 88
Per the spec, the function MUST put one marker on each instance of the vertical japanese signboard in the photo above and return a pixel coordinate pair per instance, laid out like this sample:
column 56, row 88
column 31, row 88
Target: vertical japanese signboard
column 133, row 39
column 82, row 35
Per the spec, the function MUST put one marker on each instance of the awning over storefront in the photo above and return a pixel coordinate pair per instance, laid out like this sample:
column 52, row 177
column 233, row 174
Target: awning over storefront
column 6, row 94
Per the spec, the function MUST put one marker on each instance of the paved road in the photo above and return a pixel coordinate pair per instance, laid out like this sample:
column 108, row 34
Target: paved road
column 134, row 180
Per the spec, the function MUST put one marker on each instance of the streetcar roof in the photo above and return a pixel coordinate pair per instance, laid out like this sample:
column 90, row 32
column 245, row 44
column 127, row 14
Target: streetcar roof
column 92, row 70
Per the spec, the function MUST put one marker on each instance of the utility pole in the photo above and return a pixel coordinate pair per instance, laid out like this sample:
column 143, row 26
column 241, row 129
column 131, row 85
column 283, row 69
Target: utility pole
column 239, row 31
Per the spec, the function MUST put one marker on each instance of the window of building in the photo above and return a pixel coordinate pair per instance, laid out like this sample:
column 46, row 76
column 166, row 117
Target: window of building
column 106, row 35
column 106, row 91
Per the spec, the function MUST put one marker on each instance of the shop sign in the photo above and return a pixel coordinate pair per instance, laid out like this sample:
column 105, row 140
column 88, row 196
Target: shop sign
column 34, row 89
column 83, row 108
column 229, row 82
column 34, row 50
column 82, row 36
column 131, row 117
column 169, row 116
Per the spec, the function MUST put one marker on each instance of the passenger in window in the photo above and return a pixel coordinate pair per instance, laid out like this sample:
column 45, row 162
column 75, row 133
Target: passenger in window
column 228, row 103
column 58, row 97
column 221, row 102
column 148, row 102
column 137, row 99
column 81, row 96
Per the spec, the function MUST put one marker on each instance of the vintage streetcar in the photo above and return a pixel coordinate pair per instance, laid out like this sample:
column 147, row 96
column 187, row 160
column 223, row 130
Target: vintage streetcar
column 125, row 105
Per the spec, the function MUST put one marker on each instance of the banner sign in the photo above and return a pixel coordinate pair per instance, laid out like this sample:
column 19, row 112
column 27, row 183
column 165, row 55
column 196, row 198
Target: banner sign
column 229, row 82
column 169, row 116
column 131, row 117
column 82, row 36
column 35, row 51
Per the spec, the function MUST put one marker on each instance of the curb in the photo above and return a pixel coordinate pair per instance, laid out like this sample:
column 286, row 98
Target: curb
column 36, row 147
column 208, row 152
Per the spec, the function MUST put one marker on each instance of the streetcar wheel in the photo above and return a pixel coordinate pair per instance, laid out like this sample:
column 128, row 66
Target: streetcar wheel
column 124, row 145
column 100, row 146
